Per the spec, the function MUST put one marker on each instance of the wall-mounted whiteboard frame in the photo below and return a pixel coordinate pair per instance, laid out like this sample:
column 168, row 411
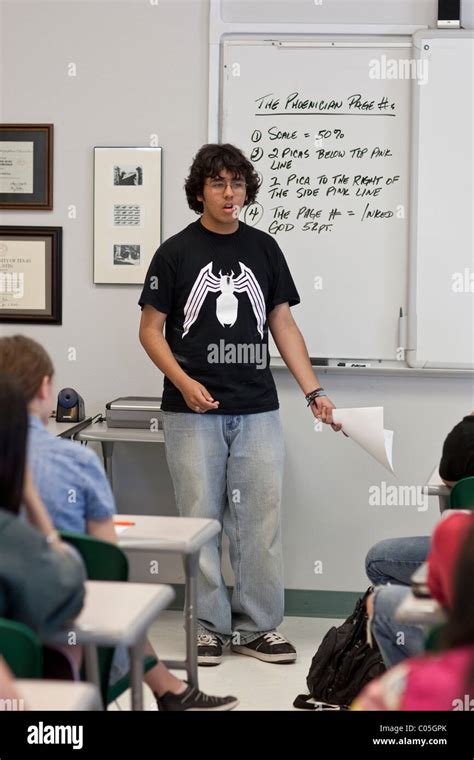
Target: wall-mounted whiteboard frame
column 218, row 29
column 441, row 248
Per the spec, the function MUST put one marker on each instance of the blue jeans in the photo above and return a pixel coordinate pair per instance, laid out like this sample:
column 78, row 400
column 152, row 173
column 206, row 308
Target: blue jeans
column 230, row 468
column 396, row 641
column 396, row 559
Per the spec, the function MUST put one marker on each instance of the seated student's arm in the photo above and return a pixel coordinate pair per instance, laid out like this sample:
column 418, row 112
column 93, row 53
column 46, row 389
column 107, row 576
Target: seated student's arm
column 102, row 529
column 38, row 515
column 39, row 586
column 99, row 502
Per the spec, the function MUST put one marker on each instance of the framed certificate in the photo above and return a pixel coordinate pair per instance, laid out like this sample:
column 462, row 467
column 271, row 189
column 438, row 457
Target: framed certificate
column 31, row 274
column 127, row 213
column 26, row 166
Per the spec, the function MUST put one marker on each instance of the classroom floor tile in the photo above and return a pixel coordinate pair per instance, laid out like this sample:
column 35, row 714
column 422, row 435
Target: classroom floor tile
column 258, row 685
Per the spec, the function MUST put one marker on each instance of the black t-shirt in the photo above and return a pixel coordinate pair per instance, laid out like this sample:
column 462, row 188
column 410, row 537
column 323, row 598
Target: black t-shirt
column 457, row 461
column 217, row 291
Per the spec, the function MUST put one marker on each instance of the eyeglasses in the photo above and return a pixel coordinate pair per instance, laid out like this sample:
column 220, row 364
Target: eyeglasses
column 220, row 184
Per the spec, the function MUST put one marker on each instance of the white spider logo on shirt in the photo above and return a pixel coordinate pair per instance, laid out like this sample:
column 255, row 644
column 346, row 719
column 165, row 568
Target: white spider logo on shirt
column 227, row 304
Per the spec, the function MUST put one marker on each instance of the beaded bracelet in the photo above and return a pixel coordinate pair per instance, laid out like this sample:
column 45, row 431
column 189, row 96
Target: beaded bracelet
column 315, row 394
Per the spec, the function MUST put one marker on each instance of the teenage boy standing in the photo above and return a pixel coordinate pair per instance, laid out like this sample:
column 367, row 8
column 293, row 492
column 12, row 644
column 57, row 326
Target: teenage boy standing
column 219, row 284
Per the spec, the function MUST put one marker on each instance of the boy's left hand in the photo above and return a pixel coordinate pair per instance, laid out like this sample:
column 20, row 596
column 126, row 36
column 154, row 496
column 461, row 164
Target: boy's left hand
column 322, row 407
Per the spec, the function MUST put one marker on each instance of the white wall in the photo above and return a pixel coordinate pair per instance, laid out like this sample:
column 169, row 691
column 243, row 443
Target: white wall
column 142, row 69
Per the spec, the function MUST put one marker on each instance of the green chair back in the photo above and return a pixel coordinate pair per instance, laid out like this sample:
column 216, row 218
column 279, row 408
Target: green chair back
column 462, row 494
column 21, row 649
column 105, row 562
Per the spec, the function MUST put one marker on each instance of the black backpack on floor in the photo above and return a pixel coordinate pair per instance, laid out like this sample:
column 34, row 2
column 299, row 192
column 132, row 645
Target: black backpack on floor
column 343, row 664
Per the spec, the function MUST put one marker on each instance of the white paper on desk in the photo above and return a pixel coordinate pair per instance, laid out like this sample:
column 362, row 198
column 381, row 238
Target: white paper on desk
column 365, row 427
column 120, row 529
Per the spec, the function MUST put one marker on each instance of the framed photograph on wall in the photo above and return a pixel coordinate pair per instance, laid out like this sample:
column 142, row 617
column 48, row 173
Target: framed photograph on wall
column 26, row 167
column 127, row 213
column 31, row 274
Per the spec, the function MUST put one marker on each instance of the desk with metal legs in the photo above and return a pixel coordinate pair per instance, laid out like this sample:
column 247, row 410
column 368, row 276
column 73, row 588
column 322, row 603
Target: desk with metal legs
column 107, row 437
column 176, row 535
column 116, row 613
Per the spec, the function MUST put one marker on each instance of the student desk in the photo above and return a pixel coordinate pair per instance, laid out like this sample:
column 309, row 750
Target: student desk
column 39, row 694
column 101, row 433
column 116, row 613
column 177, row 535
column 415, row 610
column 436, row 487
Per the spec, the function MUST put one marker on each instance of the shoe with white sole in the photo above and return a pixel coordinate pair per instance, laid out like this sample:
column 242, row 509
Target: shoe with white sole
column 270, row 647
column 209, row 649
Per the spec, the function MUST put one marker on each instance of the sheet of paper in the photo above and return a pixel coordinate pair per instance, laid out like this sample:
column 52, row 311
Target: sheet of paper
column 121, row 529
column 365, row 427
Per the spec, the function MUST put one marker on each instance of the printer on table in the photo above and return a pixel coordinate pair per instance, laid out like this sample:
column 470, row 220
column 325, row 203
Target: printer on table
column 134, row 412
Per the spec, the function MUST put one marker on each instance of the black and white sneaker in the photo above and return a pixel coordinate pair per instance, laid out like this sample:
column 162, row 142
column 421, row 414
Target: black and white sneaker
column 209, row 649
column 194, row 700
column 270, row 647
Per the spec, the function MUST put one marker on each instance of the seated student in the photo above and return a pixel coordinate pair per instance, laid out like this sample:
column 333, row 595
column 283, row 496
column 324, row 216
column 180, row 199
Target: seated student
column 444, row 680
column 398, row 641
column 394, row 560
column 41, row 582
column 73, row 486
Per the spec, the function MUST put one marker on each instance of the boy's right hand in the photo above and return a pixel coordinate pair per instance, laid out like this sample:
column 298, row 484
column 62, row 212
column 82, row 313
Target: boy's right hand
column 197, row 397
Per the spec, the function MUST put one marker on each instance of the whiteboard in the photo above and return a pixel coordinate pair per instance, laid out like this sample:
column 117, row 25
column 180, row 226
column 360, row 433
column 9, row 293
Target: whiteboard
column 331, row 143
column 441, row 312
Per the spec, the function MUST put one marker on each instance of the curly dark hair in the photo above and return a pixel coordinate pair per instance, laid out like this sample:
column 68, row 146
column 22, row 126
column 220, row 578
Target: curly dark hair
column 212, row 159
